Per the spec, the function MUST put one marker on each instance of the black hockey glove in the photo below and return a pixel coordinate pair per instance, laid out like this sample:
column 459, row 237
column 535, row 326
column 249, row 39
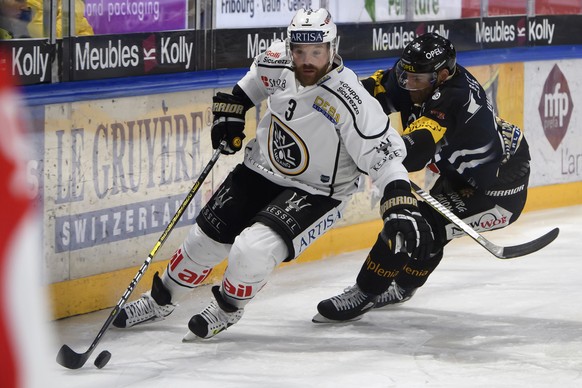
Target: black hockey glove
column 229, row 122
column 403, row 221
column 375, row 87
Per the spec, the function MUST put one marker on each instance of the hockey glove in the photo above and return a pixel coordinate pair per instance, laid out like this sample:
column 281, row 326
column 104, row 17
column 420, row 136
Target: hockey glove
column 375, row 87
column 229, row 122
column 403, row 221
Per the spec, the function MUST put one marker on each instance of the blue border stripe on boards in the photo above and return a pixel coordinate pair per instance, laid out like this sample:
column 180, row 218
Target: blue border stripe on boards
column 46, row 94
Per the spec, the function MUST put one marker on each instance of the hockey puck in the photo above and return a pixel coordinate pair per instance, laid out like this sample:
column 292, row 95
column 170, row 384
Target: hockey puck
column 102, row 359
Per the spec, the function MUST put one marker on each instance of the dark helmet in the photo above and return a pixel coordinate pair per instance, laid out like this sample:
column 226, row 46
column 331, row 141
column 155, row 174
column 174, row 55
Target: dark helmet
column 428, row 53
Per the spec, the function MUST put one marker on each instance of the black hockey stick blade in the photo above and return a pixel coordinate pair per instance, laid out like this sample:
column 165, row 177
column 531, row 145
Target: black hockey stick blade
column 498, row 251
column 531, row 246
column 68, row 358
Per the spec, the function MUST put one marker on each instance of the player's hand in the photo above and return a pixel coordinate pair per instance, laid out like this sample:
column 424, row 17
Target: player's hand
column 373, row 84
column 378, row 87
column 229, row 122
column 405, row 229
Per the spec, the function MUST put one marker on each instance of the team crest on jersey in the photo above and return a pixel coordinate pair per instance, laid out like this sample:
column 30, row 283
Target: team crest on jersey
column 287, row 151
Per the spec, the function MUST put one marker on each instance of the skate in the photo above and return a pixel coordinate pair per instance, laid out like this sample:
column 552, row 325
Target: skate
column 345, row 307
column 154, row 305
column 394, row 295
column 218, row 316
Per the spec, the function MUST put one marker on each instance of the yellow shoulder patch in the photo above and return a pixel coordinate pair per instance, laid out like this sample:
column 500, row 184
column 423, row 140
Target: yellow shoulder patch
column 435, row 129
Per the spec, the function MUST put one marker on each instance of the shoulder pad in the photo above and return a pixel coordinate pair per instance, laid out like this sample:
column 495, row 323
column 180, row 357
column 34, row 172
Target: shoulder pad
column 276, row 54
column 348, row 88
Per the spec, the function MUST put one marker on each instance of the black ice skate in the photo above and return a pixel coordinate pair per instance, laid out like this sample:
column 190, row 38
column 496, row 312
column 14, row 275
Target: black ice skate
column 154, row 305
column 394, row 295
column 345, row 307
column 218, row 316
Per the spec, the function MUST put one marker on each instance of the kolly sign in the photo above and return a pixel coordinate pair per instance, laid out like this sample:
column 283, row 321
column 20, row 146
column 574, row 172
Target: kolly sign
column 127, row 16
column 107, row 56
column 29, row 61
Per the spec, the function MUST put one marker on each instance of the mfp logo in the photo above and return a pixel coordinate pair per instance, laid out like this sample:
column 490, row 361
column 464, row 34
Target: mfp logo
column 555, row 107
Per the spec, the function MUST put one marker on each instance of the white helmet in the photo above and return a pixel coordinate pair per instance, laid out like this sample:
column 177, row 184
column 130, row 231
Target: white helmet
column 310, row 26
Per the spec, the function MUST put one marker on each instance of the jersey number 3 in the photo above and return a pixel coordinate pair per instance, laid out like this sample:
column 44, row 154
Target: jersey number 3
column 289, row 112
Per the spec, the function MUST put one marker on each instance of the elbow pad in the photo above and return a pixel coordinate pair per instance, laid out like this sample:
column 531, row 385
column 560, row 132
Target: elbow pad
column 420, row 149
column 242, row 96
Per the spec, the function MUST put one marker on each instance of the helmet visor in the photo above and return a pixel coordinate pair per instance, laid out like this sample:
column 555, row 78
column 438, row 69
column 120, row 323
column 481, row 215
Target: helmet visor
column 414, row 81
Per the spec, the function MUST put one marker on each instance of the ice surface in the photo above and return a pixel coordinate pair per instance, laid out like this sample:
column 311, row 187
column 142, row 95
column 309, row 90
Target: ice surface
column 478, row 322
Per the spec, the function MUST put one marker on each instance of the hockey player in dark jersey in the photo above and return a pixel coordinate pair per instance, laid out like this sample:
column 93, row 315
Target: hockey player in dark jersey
column 481, row 163
column 320, row 131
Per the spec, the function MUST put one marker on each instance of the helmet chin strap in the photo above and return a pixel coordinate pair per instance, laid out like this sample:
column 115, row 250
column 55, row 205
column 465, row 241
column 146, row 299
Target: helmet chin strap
column 330, row 66
column 437, row 83
column 451, row 74
column 333, row 46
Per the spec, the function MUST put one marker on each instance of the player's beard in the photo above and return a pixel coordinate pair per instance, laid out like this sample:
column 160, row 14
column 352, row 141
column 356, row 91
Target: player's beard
column 308, row 75
column 419, row 96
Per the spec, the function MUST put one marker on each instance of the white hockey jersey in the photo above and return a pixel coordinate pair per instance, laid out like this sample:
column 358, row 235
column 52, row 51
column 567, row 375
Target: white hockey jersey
column 319, row 138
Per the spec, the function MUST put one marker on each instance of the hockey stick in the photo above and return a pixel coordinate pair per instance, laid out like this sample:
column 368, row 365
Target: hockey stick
column 67, row 357
column 498, row 251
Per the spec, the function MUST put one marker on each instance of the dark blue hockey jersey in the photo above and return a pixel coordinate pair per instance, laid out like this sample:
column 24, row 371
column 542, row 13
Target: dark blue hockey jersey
column 455, row 130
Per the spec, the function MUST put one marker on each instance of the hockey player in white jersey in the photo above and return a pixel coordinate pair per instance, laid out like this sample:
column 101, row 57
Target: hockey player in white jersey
column 322, row 129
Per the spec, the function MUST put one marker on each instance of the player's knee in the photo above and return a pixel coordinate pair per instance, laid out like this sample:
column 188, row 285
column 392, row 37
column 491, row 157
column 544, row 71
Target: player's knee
column 255, row 253
column 193, row 261
column 202, row 249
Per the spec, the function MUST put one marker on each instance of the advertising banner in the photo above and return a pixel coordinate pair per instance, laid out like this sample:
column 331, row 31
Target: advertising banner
column 548, row 30
column 123, row 55
column 130, row 16
column 110, row 56
column 500, row 32
column 118, row 171
column 359, row 41
column 237, row 48
column 29, row 61
column 258, row 14
column 553, row 120
column 366, row 11
column 112, row 173
column 386, row 40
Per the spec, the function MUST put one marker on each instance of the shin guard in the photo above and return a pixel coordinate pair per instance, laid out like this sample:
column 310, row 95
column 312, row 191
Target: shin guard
column 380, row 268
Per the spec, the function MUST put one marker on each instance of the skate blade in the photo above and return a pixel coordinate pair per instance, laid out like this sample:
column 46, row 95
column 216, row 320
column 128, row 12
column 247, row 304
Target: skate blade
column 318, row 318
column 190, row 337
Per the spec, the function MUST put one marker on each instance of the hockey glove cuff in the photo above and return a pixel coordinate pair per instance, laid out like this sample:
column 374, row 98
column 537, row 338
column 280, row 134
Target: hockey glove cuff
column 405, row 229
column 229, row 122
